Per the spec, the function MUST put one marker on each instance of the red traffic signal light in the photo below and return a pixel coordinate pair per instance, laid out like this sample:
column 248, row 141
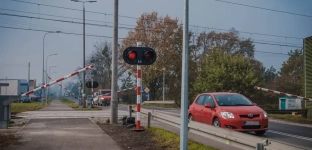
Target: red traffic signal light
column 139, row 55
column 132, row 55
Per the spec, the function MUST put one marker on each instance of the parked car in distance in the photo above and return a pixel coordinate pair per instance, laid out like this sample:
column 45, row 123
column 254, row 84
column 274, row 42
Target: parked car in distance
column 228, row 110
column 24, row 99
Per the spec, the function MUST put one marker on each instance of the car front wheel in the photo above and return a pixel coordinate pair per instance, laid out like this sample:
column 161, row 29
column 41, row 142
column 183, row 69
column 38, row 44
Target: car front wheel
column 191, row 118
column 216, row 122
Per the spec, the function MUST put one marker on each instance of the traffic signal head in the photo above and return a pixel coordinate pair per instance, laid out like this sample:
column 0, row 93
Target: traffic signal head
column 89, row 84
column 139, row 55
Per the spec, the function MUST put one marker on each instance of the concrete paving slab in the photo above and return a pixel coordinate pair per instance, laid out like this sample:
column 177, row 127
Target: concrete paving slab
column 64, row 134
column 57, row 105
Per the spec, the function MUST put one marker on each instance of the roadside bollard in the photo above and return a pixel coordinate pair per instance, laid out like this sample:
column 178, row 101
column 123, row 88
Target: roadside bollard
column 130, row 110
column 259, row 146
column 149, row 116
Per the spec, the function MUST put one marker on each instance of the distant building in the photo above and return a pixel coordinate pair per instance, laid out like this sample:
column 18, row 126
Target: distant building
column 15, row 87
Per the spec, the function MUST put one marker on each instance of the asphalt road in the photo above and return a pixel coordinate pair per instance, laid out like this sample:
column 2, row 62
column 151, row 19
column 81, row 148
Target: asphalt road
column 287, row 133
column 284, row 132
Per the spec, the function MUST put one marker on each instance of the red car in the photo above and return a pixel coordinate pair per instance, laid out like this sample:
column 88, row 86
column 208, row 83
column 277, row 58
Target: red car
column 229, row 110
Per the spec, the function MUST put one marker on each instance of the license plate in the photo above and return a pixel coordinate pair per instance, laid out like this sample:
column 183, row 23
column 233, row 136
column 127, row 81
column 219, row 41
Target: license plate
column 251, row 123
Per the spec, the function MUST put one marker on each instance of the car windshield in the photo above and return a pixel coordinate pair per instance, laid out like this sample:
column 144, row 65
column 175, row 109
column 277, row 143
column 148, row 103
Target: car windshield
column 232, row 100
column 105, row 92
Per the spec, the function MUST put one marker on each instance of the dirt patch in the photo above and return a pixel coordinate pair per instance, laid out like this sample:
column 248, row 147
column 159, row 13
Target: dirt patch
column 8, row 139
column 18, row 122
column 131, row 140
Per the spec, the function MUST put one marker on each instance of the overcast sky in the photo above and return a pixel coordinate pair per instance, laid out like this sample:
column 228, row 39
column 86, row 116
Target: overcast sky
column 18, row 47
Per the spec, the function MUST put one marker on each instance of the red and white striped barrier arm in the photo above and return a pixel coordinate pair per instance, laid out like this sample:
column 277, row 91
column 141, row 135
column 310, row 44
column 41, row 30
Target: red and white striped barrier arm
column 138, row 92
column 58, row 80
column 281, row 93
column 63, row 87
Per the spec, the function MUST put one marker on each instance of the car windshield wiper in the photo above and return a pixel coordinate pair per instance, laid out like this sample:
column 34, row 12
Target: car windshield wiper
column 243, row 105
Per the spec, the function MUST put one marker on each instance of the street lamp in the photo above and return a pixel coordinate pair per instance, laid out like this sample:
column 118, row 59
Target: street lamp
column 50, row 77
column 84, row 47
column 49, row 69
column 52, row 74
column 43, row 91
column 164, row 69
column 47, row 64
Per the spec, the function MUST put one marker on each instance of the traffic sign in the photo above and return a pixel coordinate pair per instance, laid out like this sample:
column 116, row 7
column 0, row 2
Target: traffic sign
column 146, row 90
column 142, row 89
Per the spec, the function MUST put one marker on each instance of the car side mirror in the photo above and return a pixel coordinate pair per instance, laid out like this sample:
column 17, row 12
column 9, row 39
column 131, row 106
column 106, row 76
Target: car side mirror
column 207, row 106
column 255, row 104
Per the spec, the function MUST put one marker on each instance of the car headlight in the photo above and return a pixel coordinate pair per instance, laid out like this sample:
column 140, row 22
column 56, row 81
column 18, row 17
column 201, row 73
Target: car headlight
column 265, row 114
column 226, row 115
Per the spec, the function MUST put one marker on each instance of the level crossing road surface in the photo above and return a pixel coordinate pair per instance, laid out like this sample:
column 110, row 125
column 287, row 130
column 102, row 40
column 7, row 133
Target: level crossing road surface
column 65, row 129
column 286, row 132
column 63, row 134
column 59, row 110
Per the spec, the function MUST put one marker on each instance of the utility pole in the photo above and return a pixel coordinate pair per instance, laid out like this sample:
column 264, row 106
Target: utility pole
column 164, row 83
column 28, row 76
column 84, row 53
column 184, row 84
column 114, row 101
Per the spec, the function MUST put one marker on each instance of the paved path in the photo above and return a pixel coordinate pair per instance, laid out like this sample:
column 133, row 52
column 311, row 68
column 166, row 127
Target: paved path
column 57, row 105
column 64, row 134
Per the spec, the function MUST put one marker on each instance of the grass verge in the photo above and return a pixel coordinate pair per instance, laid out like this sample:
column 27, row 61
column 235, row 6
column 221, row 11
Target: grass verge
column 162, row 105
column 172, row 141
column 8, row 139
column 22, row 107
column 291, row 118
column 74, row 105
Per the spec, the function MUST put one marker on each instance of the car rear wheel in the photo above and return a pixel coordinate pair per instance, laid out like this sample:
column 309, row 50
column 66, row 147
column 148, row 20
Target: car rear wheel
column 260, row 132
column 216, row 122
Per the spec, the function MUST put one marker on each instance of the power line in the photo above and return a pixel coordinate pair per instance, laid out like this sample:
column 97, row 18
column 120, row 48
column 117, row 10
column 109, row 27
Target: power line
column 274, row 10
column 101, row 25
column 252, row 33
column 138, row 18
column 35, row 13
column 38, row 30
column 254, row 41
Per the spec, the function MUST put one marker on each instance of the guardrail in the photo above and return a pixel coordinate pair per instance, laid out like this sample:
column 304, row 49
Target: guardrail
column 282, row 111
column 229, row 137
column 158, row 102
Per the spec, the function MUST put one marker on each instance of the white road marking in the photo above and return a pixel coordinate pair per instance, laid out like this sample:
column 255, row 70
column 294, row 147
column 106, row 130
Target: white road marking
column 290, row 135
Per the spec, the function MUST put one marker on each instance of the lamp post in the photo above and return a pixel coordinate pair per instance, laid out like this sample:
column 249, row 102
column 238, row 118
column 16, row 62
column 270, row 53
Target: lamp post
column 49, row 80
column 84, row 47
column 43, row 91
column 6, row 88
column 47, row 64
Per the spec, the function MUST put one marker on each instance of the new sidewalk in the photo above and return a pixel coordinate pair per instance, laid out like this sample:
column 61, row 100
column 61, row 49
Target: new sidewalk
column 63, row 134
